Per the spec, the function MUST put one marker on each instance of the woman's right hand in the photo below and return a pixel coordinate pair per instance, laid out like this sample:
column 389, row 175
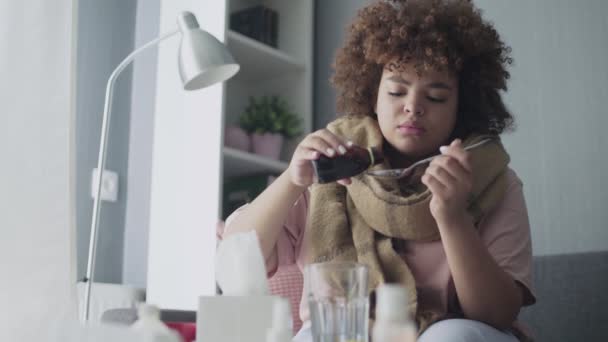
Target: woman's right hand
column 321, row 142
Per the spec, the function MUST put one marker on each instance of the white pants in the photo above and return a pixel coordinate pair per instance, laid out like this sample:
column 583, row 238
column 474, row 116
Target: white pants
column 304, row 334
column 464, row 330
column 450, row 330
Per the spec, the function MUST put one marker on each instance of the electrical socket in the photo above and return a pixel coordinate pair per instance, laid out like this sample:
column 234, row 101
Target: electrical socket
column 109, row 185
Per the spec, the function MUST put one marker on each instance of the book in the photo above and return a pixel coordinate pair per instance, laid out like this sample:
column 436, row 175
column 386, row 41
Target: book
column 257, row 22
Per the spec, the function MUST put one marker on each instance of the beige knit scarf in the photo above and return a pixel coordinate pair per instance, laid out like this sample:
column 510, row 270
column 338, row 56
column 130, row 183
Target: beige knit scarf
column 361, row 222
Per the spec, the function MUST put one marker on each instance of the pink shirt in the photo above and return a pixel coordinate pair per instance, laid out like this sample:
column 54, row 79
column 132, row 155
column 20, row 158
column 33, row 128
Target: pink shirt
column 505, row 232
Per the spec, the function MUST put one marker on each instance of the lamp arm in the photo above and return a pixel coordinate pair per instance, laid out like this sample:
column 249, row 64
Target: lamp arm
column 101, row 160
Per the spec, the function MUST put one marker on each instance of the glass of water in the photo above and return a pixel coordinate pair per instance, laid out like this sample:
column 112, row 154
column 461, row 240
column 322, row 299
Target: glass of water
column 337, row 294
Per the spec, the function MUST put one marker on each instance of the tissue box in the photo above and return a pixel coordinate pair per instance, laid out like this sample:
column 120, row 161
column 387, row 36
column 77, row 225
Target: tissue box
column 234, row 318
column 74, row 331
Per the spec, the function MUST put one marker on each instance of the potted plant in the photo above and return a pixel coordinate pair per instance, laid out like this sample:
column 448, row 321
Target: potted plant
column 269, row 120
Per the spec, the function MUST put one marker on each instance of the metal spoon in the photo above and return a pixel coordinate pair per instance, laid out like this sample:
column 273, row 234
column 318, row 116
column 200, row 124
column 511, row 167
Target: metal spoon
column 399, row 173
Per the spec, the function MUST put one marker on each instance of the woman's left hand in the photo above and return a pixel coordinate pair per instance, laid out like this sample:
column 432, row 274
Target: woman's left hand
column 449, row 177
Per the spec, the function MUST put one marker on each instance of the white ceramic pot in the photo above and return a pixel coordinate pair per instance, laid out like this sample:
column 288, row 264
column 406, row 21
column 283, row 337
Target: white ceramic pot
column 267, row 145
column 236, row 137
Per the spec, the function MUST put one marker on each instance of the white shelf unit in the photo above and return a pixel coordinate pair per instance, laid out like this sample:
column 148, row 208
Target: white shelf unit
column 286, row 71
column 243, row 163
column 259, row 62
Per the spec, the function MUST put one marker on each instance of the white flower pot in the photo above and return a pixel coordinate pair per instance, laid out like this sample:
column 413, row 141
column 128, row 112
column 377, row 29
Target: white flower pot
column 267, row 145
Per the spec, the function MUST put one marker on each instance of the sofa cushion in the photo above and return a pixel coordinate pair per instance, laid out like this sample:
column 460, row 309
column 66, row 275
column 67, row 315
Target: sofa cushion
column 104, row 297
column 128, row 316
column 572, row 303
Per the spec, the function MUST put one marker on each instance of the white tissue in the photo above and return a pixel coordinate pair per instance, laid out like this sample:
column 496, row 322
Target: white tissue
column 239, row 267
column 282, row 326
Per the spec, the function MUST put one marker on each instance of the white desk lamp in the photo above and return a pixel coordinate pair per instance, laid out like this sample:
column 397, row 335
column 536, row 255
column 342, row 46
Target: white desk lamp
column 203, row 61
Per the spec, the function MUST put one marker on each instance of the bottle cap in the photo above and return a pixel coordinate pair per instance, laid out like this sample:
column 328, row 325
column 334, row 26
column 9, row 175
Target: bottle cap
column 149, row 323
column 145, row 310
column 392, row 303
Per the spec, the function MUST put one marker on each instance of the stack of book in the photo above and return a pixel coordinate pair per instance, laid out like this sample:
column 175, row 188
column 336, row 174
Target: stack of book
column 258, row 22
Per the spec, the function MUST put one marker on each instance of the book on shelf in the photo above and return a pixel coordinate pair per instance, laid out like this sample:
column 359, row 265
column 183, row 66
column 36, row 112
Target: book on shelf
column 258, row 22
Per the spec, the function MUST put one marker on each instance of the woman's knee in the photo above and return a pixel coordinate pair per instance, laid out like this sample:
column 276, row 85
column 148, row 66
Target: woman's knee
column 463, row 330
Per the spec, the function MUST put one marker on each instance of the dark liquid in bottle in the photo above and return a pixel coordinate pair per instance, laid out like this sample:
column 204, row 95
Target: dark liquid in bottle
column 355, row 161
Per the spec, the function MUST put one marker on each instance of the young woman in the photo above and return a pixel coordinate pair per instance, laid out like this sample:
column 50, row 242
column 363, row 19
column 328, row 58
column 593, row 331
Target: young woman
column 415, row 78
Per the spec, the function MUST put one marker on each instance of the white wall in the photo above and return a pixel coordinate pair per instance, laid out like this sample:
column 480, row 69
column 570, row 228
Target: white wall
column 331, row 20
column 105, row 38
column 186, row 161
column 137, row 220
column 557, row 94
column 37, row 225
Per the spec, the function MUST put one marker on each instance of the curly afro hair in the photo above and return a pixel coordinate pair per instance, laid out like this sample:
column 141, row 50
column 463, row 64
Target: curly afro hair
column 445, row 35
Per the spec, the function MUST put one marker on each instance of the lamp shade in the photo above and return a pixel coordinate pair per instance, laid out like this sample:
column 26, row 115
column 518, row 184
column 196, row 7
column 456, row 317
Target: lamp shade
column 203, row 60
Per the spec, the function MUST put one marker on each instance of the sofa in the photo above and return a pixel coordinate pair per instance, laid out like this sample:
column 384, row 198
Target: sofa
column 572, row 301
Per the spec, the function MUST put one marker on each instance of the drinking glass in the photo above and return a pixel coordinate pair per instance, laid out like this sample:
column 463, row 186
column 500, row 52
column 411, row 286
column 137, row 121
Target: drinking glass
column 337, row 294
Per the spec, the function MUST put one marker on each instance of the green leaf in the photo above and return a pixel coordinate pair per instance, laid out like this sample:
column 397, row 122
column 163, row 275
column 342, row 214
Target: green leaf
column 270, row 115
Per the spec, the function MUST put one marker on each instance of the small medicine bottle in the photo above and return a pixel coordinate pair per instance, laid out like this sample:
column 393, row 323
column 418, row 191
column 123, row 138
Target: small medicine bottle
column 393, row 322
column 356, row 160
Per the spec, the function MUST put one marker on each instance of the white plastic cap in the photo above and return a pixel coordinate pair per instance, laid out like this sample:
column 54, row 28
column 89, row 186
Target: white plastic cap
column 281, row 329
column 145, row 310
column 149, row 324
column 392, row 303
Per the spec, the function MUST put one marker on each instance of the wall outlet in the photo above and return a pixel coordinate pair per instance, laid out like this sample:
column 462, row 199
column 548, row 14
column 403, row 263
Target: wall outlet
column 109, row 185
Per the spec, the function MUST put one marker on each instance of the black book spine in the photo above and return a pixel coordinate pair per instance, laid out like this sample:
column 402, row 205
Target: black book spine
column 274, row 29
column 259, row 23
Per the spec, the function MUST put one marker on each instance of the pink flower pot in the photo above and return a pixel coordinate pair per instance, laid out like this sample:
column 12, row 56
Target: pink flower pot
column 267, row 145
column 236, row 137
